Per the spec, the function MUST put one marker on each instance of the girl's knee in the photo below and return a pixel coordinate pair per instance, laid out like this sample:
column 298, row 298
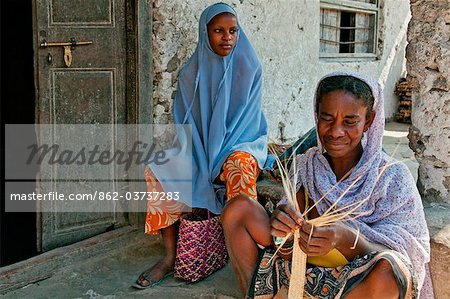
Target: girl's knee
column 236, row 210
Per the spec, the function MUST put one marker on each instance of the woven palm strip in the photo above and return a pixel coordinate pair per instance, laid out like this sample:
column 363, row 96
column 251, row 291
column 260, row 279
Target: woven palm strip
column 297, row 282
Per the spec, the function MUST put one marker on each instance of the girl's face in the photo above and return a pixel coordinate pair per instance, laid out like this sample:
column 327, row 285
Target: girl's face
column 341, row 123
column 222, row 33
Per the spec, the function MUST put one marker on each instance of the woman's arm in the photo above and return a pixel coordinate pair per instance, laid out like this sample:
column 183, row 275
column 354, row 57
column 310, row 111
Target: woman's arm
column 285, row 219
column 339, row 236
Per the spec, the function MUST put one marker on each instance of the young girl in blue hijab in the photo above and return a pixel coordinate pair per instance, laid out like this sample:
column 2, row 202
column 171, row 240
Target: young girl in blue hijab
column 219, row 95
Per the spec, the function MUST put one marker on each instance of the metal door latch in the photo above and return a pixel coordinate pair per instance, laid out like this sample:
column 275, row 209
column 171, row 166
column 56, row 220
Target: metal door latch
column 68, row 47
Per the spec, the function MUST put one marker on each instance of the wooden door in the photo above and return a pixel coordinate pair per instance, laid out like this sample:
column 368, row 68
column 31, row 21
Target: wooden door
column 92, row 90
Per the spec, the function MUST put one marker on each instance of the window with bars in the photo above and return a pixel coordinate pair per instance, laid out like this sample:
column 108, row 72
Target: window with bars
column 348, row 28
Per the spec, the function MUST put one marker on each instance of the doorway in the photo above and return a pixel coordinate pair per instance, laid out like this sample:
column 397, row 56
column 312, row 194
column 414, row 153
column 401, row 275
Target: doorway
column 17, row 230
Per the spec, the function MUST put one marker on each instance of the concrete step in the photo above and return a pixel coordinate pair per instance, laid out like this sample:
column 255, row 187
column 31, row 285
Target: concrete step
column 97, row 268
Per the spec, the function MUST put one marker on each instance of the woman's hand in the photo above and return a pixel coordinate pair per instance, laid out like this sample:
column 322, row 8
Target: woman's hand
column 285, row 219
column 323, row 239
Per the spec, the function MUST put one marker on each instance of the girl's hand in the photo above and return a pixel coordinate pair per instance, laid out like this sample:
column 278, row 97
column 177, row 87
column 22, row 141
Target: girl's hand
column 323, row 239
column 285, row 219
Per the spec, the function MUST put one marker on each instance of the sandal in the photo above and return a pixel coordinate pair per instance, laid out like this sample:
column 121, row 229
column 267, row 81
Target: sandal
column 145, row 276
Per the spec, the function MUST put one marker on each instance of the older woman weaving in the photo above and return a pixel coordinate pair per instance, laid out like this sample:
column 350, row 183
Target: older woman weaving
column 387, row 258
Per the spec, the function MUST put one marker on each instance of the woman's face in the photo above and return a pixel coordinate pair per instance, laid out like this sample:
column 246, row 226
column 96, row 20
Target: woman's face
column 222, row 33
column 341, row 123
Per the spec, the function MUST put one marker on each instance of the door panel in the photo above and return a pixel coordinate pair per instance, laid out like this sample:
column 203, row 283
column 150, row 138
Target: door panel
column 90, row 91
column 93, row 103
column 79, row 12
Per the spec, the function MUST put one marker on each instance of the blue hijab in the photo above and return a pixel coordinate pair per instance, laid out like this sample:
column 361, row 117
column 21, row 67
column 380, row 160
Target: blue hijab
column 220, row 97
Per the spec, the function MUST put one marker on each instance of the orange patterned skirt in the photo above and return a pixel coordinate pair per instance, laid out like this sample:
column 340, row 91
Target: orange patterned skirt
column 239, row 173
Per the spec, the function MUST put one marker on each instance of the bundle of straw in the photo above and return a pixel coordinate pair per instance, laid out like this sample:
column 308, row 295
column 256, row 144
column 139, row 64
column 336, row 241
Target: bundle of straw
column 331, row 216
column 298, row 269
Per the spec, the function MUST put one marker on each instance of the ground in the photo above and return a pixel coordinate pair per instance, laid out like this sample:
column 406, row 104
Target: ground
column 110, row 277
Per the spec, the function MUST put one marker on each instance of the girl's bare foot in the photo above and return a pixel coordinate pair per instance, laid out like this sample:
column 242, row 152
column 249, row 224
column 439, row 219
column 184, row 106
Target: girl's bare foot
column 155, row 274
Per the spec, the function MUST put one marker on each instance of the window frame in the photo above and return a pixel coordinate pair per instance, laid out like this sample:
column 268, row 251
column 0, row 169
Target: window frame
column 357, row 7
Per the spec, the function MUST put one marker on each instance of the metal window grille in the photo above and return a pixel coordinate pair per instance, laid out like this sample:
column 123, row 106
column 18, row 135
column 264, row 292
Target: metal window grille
column 347, row 29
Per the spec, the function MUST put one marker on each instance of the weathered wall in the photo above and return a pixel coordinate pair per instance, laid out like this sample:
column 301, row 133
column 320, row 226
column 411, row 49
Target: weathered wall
column 285, row 33
column 428, row 64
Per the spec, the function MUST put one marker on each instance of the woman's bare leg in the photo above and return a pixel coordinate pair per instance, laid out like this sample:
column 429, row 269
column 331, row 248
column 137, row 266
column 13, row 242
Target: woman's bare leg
column 245, row 224
column 165, row 266
column 379, row 283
